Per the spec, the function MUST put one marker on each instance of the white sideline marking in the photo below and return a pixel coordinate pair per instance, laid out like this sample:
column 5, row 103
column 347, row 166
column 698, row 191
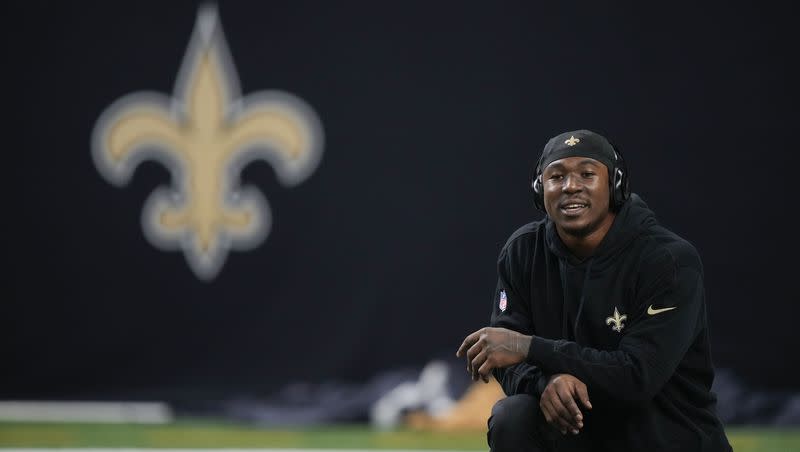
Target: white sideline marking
column 101, row 412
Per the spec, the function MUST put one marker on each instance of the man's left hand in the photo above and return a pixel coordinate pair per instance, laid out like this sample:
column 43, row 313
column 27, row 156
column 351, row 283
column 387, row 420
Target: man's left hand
column 489, row 348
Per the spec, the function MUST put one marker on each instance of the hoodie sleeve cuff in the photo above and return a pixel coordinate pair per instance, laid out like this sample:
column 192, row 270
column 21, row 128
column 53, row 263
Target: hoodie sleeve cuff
column 541, row 352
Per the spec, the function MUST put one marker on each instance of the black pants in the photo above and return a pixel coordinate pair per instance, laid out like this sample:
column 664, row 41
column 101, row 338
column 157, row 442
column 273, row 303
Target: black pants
column 517, row 424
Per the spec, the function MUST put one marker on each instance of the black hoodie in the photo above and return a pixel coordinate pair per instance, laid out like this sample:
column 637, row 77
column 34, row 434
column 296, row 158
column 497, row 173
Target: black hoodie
column 629, row 322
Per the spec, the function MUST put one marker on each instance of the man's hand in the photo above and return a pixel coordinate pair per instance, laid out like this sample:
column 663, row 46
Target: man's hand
column 488, row 348
column 559, row 403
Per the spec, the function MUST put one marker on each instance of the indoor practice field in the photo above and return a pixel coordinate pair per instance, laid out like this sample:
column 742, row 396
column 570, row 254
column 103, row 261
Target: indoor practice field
column 358, row 226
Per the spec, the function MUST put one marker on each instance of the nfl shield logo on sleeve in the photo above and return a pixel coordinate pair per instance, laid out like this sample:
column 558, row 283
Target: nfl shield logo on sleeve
column 503, row 300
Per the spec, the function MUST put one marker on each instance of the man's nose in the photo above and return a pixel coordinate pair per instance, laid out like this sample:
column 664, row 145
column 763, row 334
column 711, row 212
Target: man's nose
column 572, row 184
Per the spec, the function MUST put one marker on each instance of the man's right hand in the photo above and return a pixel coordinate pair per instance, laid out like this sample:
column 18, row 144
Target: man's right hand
column 559, row 403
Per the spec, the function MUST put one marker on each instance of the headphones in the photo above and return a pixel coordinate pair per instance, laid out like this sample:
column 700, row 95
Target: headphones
column 618, row 183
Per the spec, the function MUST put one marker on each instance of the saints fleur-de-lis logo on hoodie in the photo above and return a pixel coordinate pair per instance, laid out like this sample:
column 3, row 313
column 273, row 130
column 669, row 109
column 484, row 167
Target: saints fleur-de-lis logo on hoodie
column 205, row 134
column 616, row 320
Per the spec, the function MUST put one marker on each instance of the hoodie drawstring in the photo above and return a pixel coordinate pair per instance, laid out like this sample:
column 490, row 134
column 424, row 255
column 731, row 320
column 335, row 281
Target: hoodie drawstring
column 583, row 298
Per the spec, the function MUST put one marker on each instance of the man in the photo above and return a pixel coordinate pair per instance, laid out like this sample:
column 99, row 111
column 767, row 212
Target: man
column 599, row 334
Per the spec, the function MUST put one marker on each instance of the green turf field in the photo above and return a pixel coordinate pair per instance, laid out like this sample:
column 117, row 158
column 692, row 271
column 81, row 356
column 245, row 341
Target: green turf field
column 187, row 434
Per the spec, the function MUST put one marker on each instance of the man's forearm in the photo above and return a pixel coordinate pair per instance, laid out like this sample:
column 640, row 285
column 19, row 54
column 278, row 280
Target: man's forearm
column 522, row 378
column 618, row 368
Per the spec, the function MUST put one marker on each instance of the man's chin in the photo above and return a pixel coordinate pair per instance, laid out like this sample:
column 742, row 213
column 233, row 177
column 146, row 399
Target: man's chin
column 577, row 232
column 576, row 229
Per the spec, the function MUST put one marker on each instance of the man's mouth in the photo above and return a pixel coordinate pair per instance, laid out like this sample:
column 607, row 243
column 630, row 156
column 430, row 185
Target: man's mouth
column 573, row 208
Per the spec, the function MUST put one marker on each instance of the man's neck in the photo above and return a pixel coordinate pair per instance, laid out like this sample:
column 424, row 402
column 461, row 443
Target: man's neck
column 585, row 246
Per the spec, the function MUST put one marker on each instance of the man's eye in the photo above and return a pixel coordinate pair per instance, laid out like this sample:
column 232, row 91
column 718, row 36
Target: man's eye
column 555, row 177
column 588, row 174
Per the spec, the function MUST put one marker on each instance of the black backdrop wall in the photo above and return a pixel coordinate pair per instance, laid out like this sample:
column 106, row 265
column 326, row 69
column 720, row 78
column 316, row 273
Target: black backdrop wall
column 433, row 113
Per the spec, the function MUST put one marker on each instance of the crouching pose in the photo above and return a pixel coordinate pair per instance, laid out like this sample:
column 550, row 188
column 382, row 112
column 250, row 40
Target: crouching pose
column 598, row 333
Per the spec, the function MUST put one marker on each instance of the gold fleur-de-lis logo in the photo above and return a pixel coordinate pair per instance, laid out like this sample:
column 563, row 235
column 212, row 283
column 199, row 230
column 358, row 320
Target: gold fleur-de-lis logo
column 572, row 141
column 205, row 134
column 617, row 320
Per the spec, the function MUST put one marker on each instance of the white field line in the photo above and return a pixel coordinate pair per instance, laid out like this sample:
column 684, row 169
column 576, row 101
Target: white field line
column 100, row 412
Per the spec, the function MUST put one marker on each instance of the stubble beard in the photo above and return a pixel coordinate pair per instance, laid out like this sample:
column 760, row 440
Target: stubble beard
column 583, row 231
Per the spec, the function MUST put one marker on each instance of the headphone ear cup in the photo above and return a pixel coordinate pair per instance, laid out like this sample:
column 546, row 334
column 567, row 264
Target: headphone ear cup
column 620, row 183
column 626, row 185
column 538, row 196
column 617, row 196
column 621, row 189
